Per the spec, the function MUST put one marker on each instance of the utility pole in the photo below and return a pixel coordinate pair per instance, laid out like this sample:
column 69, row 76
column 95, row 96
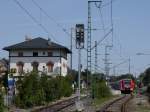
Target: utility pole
column 71, row 38
column 129, row 65
column 114, row 71
column 96, row 56
column 106, row 61
column 79, row 72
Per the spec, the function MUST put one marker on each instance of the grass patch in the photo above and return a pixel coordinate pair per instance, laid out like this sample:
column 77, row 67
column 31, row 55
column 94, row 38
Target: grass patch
column 102, row 101
column 6, row 109
column 143, row 108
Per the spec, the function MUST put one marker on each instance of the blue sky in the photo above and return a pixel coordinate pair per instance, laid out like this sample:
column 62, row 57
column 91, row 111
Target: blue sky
column 131, row 27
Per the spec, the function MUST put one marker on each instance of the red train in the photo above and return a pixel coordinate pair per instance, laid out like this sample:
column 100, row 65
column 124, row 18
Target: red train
column 126, row 86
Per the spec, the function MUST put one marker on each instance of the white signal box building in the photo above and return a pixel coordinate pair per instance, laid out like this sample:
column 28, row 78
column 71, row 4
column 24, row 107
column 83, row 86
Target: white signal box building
column 38, row 54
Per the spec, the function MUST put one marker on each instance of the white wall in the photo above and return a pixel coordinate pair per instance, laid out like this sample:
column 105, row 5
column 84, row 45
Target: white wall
column 28, row 59
column 30, row 53
column 42, row 62
column 64, row 68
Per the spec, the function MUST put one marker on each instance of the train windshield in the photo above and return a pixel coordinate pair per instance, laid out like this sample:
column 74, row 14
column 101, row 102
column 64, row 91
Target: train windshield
column 127, row 81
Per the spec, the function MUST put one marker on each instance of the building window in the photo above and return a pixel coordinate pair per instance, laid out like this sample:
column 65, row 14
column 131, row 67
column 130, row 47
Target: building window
column 44, row 69
column 35, row 66
column 64, row 65
column 35, row 54
column 43, row 53
column 50, row 54
column 20, row 54
column 65, row 55
column 50, row 66
column 13, row 70
column 20, row 67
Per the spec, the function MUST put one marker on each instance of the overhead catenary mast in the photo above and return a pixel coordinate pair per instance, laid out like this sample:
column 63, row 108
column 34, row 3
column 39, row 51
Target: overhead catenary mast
column 89, row 38
column 106, row 61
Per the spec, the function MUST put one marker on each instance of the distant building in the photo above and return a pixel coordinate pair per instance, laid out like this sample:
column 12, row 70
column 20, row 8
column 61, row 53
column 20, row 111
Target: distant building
column 3, row 67
column 38, row 54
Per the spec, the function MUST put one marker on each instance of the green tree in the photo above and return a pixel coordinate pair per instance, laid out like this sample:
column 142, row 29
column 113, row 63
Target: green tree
column 1, row 103
column 141, row 76
column 74, row 75
column 146, row 77
column 148, row 92
column 5, row 80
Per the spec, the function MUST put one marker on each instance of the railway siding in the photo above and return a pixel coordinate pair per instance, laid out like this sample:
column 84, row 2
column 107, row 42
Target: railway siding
column 117, row 105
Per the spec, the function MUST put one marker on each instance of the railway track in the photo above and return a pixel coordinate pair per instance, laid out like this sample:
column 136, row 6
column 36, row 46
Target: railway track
column 57, row 106
column 118, row 105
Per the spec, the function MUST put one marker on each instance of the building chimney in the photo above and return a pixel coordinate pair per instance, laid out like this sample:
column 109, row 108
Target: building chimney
column 49, row 41
column 27, row 38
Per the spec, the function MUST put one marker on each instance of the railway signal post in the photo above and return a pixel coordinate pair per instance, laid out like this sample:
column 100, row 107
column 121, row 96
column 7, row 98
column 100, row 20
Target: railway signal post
column 79, row 46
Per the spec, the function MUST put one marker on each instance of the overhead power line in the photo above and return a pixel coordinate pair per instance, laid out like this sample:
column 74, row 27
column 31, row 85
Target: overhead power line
column 103, row 24
column 112, row 23
column 102, row 21
column 108, row 3
column 98, row 67
column 111, row 17
column 33, row 18
column 51, row 18
column 99, row 42
column 120, row 63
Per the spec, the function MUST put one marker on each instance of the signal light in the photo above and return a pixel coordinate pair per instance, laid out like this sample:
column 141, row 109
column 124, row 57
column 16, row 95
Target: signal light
column 80, row 32
column 80, row 35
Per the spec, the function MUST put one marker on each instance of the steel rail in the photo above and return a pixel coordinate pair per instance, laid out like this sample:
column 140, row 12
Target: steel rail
column 57, row 106
column 117, row 105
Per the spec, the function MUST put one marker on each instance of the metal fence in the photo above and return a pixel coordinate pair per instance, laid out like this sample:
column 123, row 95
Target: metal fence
column 8, row 100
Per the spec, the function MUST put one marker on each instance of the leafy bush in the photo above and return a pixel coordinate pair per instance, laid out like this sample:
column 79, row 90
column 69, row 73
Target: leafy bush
column 146, row 77
column 34, row 90
column 30, row 91
column 148, row 89
column 66, row 88
column 148, row 92
column 1, row 103
column 101, row 90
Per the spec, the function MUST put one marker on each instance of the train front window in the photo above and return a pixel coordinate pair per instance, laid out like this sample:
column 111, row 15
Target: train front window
column 127, row 82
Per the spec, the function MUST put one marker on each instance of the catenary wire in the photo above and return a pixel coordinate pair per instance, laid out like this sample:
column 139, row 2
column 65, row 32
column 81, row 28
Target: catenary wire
column 108, row 3
column 33, row 18
column 50, row 18
column 112, row 23
column 99, row 42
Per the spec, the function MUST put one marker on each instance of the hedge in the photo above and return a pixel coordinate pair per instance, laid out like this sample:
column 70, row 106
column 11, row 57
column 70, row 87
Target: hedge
column 101, row 90
column 35, row 90
column 1, row 103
